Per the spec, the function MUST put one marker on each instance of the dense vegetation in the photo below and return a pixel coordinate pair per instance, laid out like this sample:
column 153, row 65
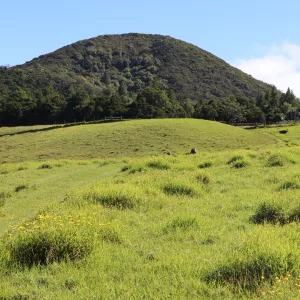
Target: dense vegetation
column 137, row 76
column 217, row 225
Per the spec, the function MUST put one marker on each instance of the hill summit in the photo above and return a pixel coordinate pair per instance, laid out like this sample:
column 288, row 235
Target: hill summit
column 139, row 75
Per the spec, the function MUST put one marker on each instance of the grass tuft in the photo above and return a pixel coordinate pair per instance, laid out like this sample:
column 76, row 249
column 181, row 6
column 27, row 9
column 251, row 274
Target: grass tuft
column 294, row 216
column 158, row 165
column 277, row 160
column 250, row 273
column 203, row 178
column 205, row 165
column 240, row 164
column 45, row 246
column 269, row 213
column 45, row 166
column 234, row 159
column 178, row 189
column 21, row 187
column 180, row 223
column 289, row 185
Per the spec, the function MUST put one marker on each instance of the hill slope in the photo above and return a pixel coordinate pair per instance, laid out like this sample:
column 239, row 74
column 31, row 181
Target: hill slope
column 188, row 70
column 129, row 139
column 76, row 81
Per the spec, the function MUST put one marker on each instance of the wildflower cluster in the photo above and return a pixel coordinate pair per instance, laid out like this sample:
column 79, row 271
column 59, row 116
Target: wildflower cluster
column 281, row 285
column 44, row 221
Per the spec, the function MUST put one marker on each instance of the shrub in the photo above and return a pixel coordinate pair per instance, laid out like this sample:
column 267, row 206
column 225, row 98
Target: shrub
column 45, row 246
column 45, row 166
column 178, row 189
column 21, row 187
column 269, row 213
column 205, row 165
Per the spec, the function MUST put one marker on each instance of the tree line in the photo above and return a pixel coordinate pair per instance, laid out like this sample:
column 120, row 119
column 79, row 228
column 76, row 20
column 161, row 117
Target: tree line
column 24, row 104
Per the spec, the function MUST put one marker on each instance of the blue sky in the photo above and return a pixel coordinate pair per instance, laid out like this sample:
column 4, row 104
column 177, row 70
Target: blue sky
column 259, row 36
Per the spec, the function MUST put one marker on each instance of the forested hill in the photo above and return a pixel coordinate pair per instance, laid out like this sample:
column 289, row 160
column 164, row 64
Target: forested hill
column 135, row 75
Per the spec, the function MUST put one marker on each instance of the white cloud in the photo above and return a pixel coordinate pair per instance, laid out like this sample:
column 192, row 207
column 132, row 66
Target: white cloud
column 280, row 65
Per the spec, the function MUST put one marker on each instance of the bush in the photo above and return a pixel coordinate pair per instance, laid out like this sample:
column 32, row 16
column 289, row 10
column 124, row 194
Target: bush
column 205, row 165
column 269, row 213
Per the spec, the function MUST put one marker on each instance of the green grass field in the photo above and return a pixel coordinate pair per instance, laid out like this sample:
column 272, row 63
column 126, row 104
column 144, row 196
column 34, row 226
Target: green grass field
column 130, row 139
column 84, row 223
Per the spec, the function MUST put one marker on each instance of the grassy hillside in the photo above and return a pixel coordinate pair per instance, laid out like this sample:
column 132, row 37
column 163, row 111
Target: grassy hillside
column 129, row 139
column 222, row 224
column 187, row 227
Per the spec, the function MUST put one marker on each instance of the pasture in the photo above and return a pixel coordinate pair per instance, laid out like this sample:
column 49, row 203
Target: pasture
column 82, row 223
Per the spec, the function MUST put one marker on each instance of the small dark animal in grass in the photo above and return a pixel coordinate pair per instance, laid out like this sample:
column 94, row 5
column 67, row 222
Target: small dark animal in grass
column 194, row 151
